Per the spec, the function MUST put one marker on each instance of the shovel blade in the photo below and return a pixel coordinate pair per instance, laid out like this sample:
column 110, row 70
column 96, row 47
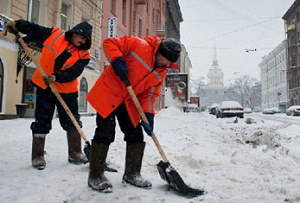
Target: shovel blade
column 87, row 150
column 170, row 175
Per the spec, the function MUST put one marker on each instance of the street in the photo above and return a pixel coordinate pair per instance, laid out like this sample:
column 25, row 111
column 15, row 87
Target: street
column 230, row 159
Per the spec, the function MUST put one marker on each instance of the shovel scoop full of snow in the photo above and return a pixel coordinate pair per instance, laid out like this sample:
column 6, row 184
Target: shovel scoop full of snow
column 170, row 175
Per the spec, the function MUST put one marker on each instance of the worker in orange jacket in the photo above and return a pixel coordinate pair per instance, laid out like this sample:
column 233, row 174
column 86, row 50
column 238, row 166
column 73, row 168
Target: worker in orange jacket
column 64, row 56
column 143, row 64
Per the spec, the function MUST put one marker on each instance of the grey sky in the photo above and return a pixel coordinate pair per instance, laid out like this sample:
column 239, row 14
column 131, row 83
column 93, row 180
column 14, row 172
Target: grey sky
column 235, row 25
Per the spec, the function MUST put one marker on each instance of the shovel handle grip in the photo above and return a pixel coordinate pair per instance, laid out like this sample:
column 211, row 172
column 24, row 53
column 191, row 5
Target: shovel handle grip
column 56, row 93
column 144, row 118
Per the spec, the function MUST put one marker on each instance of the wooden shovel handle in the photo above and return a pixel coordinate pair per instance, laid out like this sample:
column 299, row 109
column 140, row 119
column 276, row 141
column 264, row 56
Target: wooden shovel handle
column 58, row 96
column 144, row 118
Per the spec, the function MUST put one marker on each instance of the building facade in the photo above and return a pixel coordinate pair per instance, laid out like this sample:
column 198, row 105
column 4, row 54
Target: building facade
column 292, row 28
column 186, row 65
column 17, row 68
column 109, row 18
column 138, row 18
column 273, row 68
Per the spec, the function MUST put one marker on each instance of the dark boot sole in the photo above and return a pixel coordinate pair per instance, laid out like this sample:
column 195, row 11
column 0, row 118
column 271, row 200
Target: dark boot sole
column 42, row 167
column 77, row 162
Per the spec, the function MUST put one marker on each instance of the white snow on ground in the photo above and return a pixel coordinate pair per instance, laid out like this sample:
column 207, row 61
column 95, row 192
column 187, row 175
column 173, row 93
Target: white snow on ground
column 230, row 159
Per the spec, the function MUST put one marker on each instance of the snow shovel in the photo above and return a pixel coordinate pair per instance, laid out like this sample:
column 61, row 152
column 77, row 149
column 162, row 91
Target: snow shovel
column 166, row 171
column 58, row 96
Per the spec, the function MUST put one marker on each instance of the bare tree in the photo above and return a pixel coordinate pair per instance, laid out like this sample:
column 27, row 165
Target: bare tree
column 243, row 87
column 197, row 86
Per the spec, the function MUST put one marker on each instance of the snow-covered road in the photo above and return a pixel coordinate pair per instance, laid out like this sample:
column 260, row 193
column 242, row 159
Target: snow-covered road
column 232, row 161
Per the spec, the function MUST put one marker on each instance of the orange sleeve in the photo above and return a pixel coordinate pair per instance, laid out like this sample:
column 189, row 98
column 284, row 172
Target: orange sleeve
column 117, row 47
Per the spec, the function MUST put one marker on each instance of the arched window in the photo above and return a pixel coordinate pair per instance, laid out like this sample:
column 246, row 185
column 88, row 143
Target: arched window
column 83, row 90
column 1, row 83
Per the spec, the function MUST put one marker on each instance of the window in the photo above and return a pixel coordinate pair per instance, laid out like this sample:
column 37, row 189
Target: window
column 5, row 7
column 124, row 5
column 292, row 42
column 140, row 28
column 294, row 60
column 153, row 15
column 147, row 7
column 134, row 23
column 65, row 13
column 113, row 6
column 82, row 95
column 34, row 11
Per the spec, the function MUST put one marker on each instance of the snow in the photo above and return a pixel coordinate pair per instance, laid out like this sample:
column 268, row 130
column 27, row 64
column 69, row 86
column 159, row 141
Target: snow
column 230, row 104
column 230, row 159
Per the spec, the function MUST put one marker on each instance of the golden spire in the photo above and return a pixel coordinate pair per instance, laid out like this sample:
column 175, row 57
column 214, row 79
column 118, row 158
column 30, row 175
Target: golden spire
column 215, row 51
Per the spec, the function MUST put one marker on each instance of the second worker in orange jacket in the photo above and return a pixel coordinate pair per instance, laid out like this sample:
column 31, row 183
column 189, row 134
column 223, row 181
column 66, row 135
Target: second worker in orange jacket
column 143, row 63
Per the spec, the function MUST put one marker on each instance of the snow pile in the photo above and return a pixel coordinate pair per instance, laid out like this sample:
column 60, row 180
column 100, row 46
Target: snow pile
column 232, row 161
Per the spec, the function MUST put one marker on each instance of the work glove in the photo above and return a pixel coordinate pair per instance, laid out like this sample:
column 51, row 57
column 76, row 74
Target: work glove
column 120, row 68
column 49, row 79
column 11, row 27
column 148, row 128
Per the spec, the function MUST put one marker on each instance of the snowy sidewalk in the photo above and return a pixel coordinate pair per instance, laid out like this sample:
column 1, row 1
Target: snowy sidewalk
column 234, row 162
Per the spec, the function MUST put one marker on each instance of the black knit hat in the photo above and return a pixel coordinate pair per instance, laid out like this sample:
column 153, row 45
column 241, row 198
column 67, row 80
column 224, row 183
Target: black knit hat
column 84, row 29
column 170, row 48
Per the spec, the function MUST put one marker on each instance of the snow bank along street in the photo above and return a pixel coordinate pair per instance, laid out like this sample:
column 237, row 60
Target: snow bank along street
column 255, row 159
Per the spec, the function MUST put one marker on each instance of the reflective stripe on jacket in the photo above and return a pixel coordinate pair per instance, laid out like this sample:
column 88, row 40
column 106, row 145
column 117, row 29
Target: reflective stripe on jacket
column 109, row 91
column 53, row 47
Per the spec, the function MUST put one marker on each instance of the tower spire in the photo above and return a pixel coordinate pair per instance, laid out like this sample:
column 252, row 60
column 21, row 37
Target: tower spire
column 215, row 60
column 215, row 52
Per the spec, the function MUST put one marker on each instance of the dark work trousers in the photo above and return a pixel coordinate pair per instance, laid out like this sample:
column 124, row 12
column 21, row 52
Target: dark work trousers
column 45, row 105
column 105, row 131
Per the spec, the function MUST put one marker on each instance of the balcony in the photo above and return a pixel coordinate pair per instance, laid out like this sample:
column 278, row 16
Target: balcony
column 140, row 2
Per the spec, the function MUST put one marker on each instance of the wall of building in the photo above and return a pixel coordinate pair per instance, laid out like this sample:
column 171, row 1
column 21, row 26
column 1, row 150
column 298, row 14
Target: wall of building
column 292, row 28
column 13, row 94
column 147, row 18
column 49, row 16
column 273, row 77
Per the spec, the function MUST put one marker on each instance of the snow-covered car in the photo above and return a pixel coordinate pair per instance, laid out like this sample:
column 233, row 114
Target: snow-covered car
column 230, row 109
column 247, row 110
column 192, row 108
column 293, row 111
column 276, row 110
column 212, row 110
column 270, row 111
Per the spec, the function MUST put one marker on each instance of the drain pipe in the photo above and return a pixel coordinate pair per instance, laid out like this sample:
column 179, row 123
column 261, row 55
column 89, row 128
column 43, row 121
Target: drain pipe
column 57, row 13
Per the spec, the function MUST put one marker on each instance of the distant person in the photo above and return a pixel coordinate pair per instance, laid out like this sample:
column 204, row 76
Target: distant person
column 143, row 63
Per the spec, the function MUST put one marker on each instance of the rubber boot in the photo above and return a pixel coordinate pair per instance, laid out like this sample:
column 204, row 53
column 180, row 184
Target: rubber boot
column 37, row 156
column 134, row 157
column 75, row 154
column 97, row 180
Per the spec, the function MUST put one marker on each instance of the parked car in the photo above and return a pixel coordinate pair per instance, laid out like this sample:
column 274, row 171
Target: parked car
column 192, row 108
column 230, row 109
column 247, row 110
column 213, row 108
column 269, row 111
column 293, row 111
column 276, row 110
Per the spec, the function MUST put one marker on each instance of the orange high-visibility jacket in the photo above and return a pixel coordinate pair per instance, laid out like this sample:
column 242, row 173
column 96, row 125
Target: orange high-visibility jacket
column 53, row 47
column 109, row 91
